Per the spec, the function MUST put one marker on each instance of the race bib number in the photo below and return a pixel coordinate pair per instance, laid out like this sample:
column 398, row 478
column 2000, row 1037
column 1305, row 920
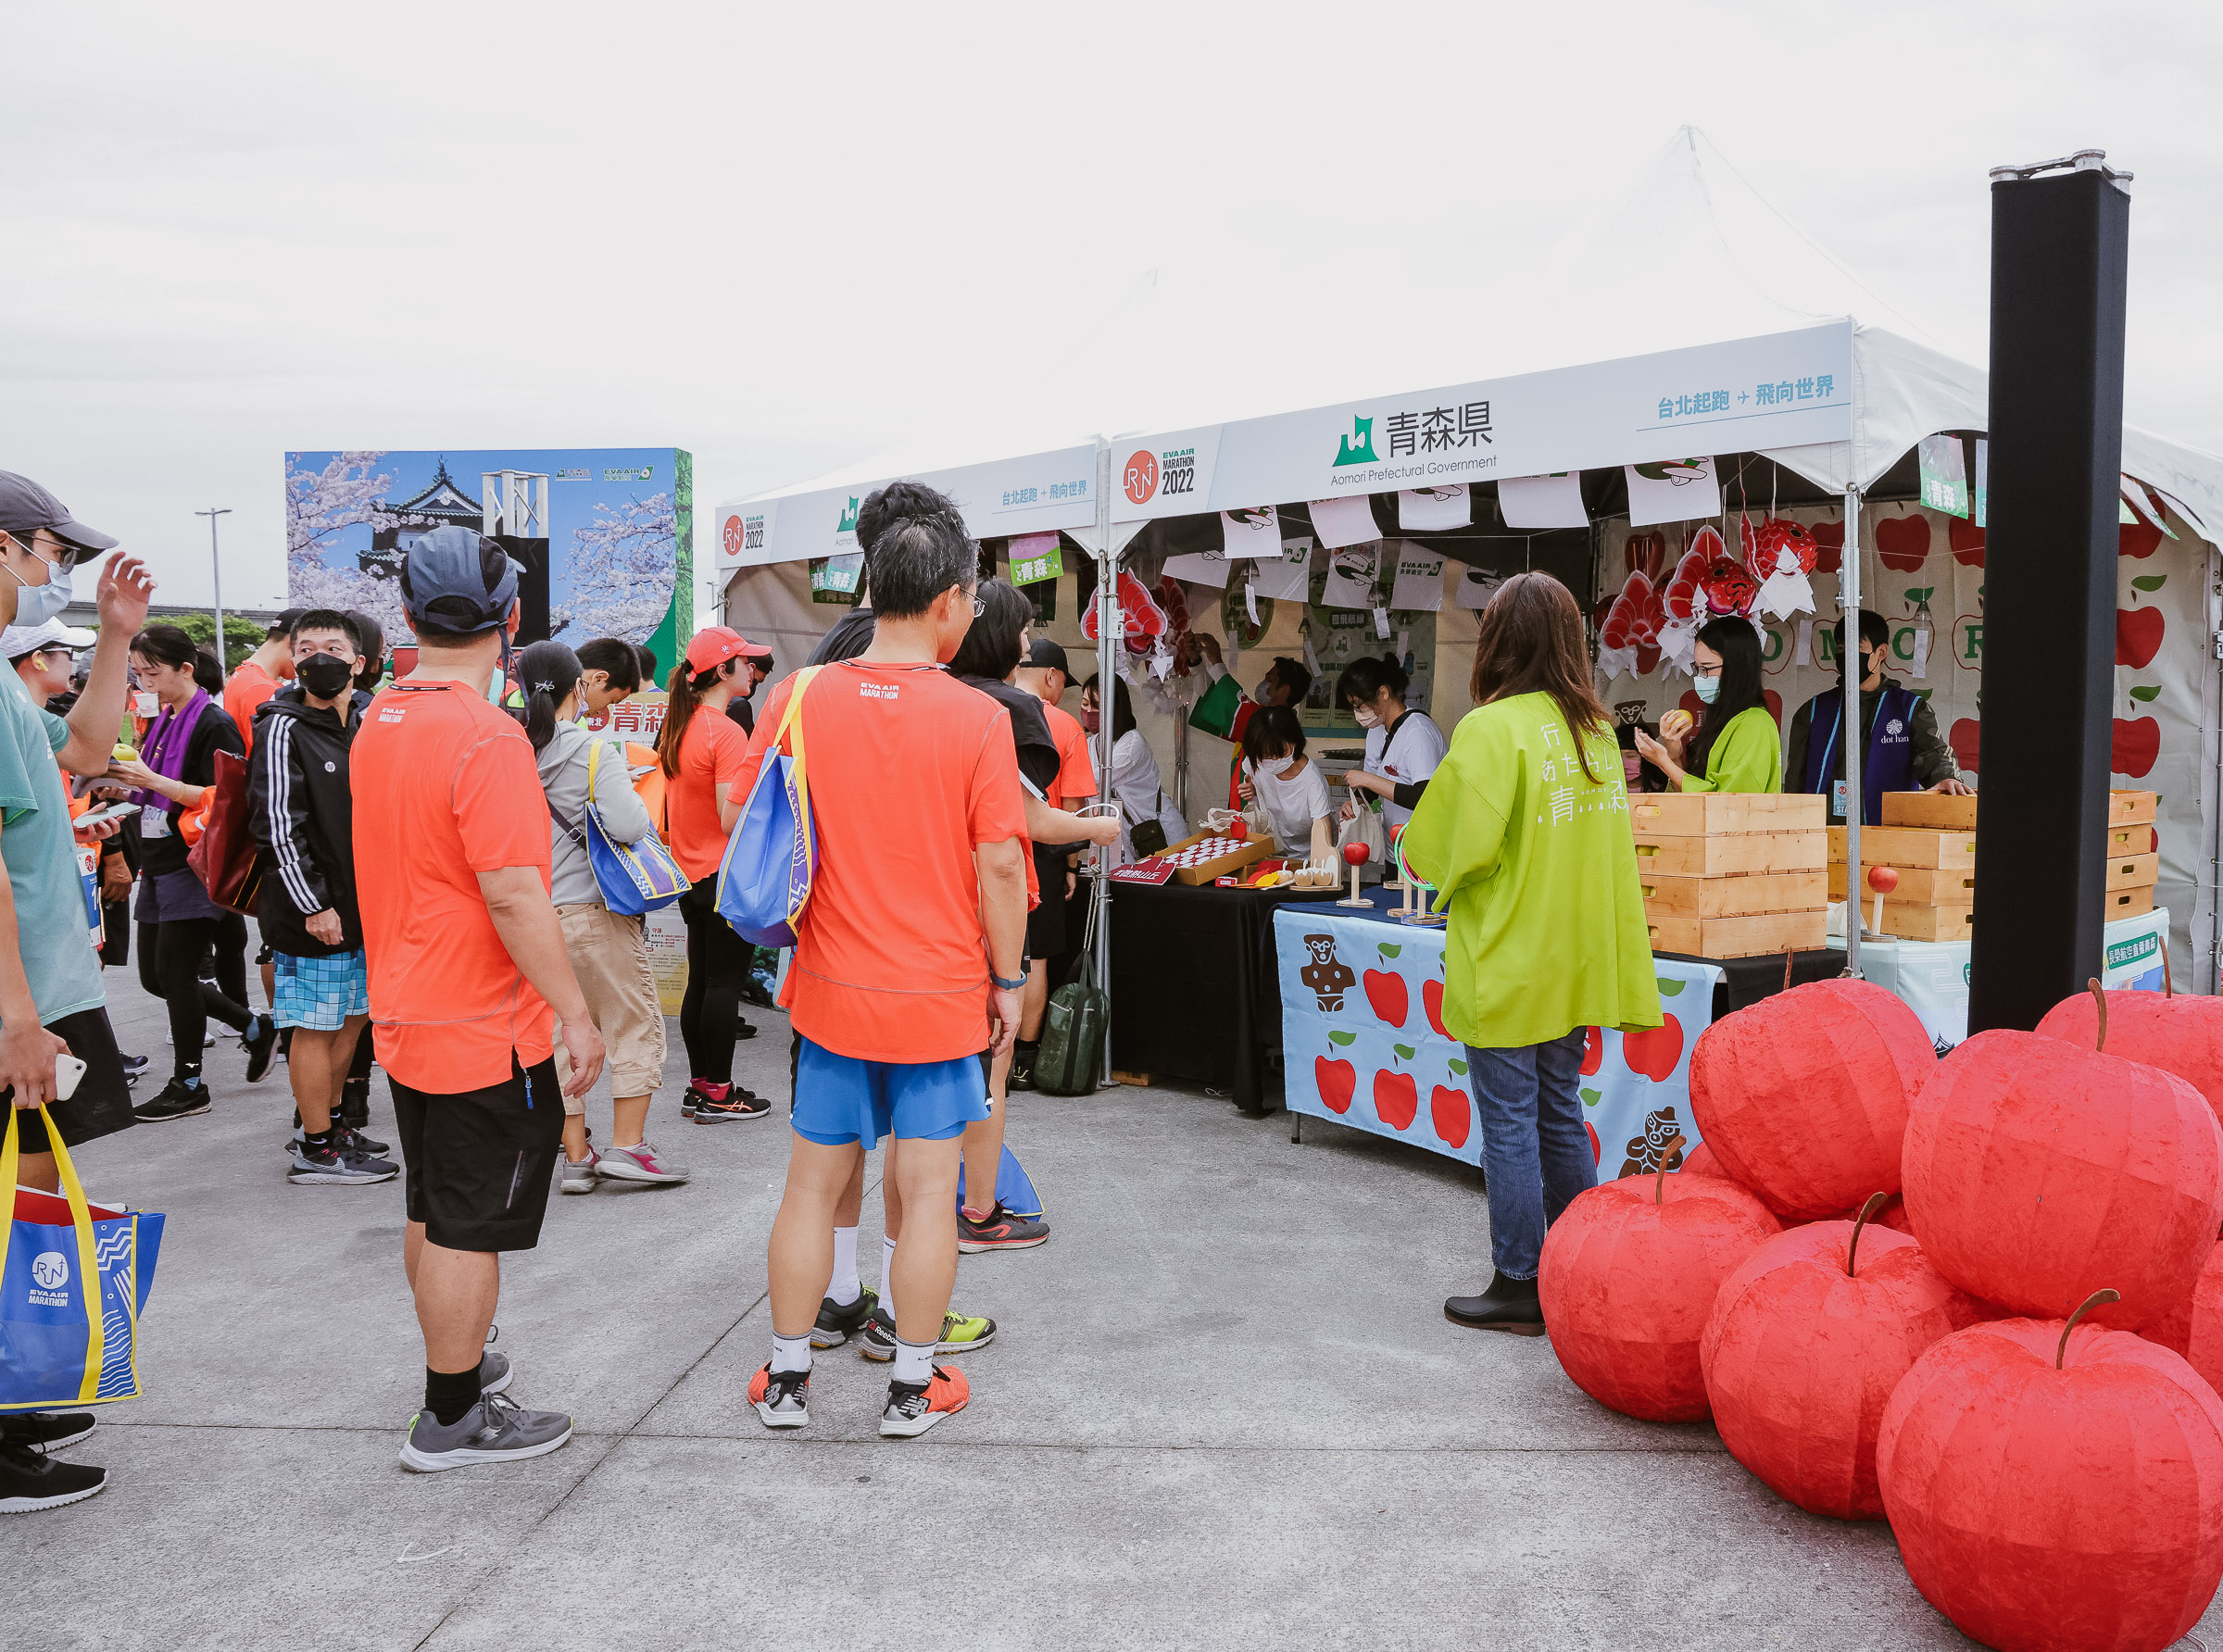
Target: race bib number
column 154, row 820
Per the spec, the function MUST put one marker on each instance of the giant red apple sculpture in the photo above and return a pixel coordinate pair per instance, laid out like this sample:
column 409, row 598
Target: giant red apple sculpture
column 1805, row 1344
column 1803, row 1095
column 1630, row 1271
column 2178, row 1032
column 2037, row 1172
column 2057, row 1486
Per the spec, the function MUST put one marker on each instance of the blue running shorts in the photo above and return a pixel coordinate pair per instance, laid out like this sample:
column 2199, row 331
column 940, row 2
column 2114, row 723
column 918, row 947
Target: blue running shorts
column 319, row 994
column 839, row 1098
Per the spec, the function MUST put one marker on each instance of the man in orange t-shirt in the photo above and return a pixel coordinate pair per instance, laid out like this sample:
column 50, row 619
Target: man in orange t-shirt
column 466, row 958
column 908, row 957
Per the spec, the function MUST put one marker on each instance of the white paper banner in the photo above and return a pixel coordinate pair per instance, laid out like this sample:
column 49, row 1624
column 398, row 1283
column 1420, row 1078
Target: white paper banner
column 1289, row 579
column 1672, row 491
column 1431, row 510
column 1477, row 586
column 1253, row 532
column 1419, row 584
column 1340, row 523
column 1543, row 501
column 1381, row 623
column 1200, row 568
column 1350, row 574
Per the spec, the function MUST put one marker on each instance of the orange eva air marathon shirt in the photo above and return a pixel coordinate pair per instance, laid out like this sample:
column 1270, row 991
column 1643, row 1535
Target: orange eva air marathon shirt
column 1076, row 775
column 909, row 771
column 444, row 788
column 248, row 686
column 710, row 754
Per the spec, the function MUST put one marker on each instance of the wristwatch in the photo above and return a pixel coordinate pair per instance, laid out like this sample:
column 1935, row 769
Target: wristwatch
column 1009, row 987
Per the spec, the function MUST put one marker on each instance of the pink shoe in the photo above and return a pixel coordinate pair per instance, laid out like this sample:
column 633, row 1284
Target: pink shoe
column 641, row 1163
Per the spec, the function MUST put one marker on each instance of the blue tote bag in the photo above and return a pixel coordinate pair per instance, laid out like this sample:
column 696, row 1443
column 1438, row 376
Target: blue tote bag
column 75, row 1279
column 632, row 877
column 764, row 881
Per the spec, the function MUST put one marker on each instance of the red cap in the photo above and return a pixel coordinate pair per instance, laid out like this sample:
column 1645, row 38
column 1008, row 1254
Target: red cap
column 713, row 645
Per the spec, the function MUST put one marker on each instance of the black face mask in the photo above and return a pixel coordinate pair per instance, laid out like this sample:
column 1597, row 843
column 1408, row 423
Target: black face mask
column 324, row 675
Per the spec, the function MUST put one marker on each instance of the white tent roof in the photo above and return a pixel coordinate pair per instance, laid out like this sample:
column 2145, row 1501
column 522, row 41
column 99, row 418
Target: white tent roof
column 1695, row 282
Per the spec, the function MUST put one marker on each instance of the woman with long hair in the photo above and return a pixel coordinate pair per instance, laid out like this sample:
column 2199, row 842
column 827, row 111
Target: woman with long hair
column 1403, row 745
column 610, row 954
column 1736, row 746
column 178, row 922
column 1524, row 832
column 701, row 752
column 1135, row 782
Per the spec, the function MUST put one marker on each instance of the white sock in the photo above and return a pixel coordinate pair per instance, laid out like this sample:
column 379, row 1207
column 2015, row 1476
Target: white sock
column 846, row 1287
column 914, row 1362
column 887, row 1277
column 791, row 1353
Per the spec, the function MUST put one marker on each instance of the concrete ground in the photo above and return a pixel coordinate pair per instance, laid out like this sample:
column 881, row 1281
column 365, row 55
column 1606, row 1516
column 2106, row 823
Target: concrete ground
column 1223, row 1408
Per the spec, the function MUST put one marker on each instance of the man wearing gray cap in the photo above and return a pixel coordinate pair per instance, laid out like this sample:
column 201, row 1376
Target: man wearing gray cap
column 53, row 1030
column 466, row 961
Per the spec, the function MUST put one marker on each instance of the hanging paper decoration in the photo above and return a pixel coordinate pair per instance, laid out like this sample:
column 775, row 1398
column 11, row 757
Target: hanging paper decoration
column 1672, row 491
column 1241, row 626
column 1338, row 522
column 1140, row 617
column 1553, row 501
column 1782, row 555
column 1422, row 510
column 1252, row 531
column 1628, row 641
column 1646, row 554
column 1685, row 608
column 1174, row 601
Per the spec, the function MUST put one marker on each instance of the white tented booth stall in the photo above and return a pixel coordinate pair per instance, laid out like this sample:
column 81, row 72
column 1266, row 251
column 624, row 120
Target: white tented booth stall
column 1732, row 369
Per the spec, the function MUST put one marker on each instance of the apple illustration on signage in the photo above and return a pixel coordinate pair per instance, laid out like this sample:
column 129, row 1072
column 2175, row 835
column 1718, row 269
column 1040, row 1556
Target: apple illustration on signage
column 1338, row 1080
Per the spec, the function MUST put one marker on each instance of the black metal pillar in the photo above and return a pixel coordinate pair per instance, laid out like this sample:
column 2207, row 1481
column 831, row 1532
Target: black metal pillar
column 2060, row 243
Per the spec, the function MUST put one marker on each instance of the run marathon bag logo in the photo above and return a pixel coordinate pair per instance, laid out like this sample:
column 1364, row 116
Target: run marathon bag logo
column 743, row 534
column 49, row 1279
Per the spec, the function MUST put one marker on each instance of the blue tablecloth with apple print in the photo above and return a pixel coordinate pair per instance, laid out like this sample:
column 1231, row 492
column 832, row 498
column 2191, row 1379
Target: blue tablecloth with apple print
column 1364, row 1043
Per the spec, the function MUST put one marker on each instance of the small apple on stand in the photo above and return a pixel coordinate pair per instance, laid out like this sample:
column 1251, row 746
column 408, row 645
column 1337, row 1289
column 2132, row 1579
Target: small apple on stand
column 1354, row 856
column 1882, row 879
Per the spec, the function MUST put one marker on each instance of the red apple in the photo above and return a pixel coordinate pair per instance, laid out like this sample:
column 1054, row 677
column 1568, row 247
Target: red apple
column 1431, row 1000
column 1387, row 993
column 1654, row 1051
column 1964, row 740
column 1903, row 543
column 1453, row 1113
column 2137, row 744
column 1830, row 539
column 2138, row 636
column 1593, row 1049
column 2137, row 539
column 1967, row 541
column 1396, row 1098
column 1338, row 1081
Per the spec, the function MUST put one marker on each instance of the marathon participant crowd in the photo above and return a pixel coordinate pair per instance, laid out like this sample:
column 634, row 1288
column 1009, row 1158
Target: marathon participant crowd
column 421, row 867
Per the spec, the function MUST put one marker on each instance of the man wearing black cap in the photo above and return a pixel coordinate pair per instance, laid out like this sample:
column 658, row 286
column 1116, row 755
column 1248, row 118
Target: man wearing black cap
column 466, row 961
column 757, row 658
column 52, row 1017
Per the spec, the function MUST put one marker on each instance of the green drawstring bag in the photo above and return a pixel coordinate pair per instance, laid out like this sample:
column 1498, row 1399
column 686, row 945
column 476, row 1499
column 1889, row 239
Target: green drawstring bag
column 1074, row 1024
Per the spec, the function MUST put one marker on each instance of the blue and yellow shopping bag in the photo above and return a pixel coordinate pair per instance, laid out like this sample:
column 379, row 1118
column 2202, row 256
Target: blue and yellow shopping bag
column 764, row 881
column 76, row 1277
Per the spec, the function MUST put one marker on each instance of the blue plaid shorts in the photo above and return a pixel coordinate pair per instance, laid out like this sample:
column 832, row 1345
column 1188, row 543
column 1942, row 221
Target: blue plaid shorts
column 320, row 992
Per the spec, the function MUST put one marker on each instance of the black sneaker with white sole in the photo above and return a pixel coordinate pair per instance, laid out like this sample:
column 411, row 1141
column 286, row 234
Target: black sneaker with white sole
column 837, row 1325
column 260, row 1042
column 180, row 1098
column 739, row 1102
column 337, row 1163
column 31, row 1479
column 46, row 1430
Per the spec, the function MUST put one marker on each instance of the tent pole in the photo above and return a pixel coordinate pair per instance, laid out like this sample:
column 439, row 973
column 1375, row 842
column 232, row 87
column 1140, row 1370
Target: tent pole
column 1108, row 634
column 1849, row 602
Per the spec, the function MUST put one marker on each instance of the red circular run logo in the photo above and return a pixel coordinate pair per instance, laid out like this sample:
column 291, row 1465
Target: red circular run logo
column 732, row 536
column 1142, row 477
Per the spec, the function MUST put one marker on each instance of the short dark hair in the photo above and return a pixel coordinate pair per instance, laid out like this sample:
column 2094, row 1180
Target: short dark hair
column 1875, row 630
column 991, row 648
column 646, row 655
column 370, row 643
column 1272, row 730
column 616, row 659
column 326, row 619
column 1292, row 675
column 1366, row 676
column 920, row 548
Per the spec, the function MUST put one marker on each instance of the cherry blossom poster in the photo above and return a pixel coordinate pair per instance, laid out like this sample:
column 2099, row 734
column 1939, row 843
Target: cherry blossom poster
column 605, row 534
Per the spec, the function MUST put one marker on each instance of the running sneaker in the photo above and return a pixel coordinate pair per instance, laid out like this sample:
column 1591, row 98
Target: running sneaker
column 641, row 1162
column 180, row 1098
column 998, row 1230
column 260, row 1042
column 31, row 1479
column 837, row 1325
column 783, row 1400
column 913, row 1408
column 134, row 1067
column 46, row 1430
column 1022, row 1074
column 960, row 1333
column 355, row 1102
column 740, row 1103
column 579, row 1174
column 359, row 1142
column 338, row 1164
column 495, row 1430
column 494, row 1372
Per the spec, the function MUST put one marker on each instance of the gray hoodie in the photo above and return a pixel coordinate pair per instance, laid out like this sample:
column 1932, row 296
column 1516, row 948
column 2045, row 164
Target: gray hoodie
column 563, row 777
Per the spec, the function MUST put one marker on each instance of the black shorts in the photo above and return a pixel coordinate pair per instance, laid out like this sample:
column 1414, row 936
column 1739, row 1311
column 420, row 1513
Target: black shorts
column 1046, row 923
column 480, row 1162
column 103, row 1103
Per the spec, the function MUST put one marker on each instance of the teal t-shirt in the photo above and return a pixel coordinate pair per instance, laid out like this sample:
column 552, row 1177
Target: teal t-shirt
column 40, row 848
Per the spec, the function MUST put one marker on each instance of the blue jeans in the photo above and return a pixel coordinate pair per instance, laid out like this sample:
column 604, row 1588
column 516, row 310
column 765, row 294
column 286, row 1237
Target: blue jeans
column 1535, row 1150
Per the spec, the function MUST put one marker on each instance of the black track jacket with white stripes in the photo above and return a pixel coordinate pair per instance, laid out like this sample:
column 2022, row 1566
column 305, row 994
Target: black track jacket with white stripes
column 303, row 816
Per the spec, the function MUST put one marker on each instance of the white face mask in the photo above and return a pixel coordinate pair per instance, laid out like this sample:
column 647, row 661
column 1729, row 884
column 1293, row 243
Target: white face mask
column 1367, row 716
column 1275, row 768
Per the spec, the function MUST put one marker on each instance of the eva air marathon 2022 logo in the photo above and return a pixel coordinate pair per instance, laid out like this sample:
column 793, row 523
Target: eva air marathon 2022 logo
column 1170, row 472
column 1438, row 440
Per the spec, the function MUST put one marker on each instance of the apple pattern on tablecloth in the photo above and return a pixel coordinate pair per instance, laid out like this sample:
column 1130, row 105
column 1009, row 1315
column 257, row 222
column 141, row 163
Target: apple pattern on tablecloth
column 1650, row 1052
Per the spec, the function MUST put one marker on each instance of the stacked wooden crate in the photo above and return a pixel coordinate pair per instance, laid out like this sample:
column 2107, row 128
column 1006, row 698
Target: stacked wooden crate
column 2133, row 852
column 1732, row 874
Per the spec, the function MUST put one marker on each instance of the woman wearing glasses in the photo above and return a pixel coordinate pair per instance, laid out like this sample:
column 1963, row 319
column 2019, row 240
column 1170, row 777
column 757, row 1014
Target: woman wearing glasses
column 1736, row 747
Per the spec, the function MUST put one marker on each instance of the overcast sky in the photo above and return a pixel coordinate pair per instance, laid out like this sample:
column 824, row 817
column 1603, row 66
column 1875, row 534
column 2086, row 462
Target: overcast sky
column 782, row 236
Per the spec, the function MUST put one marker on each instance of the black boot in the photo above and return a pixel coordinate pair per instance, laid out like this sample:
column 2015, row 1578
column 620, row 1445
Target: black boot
column 355, row 1102
column 1508, row 1305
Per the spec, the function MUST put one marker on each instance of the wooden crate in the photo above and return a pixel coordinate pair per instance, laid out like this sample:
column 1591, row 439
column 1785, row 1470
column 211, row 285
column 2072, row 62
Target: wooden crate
column 1913, row 923
column 2129, row 903
column 1741, row 937
column 1731, row 853
column 2132, row 808
column 1908, row 847
column 1222, row 866
column 2134, row 871
column 1932, row 809
column 1919, row 886
column 1704, row 814
column 2132, row 840
column 1731, row 897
